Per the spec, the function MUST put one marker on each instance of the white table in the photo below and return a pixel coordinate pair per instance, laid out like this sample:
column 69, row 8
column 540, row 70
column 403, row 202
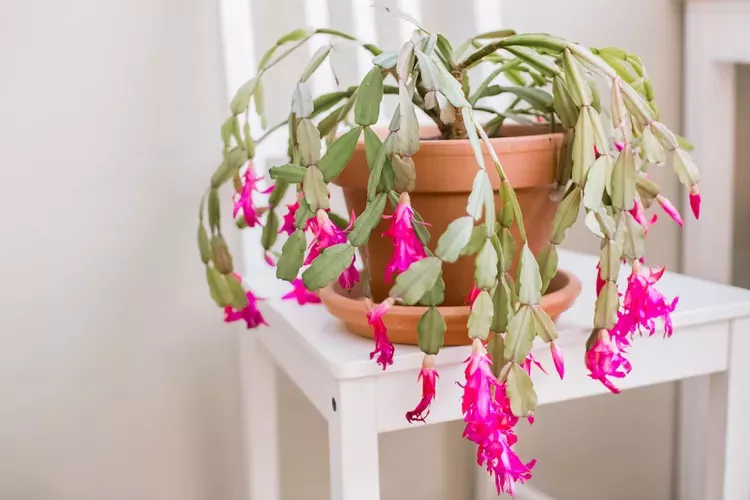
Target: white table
column 359, row 400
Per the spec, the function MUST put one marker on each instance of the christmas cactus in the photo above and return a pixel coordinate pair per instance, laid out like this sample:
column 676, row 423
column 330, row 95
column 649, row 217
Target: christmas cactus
column 602, row 166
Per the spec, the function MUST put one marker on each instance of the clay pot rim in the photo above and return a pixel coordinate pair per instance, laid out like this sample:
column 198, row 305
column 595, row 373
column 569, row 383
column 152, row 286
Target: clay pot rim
column 538, row 139
column 331, row 294
column 402, row 321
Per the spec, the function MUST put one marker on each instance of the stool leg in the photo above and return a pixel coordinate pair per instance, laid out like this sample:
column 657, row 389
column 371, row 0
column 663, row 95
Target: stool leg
column 734, row 478
column 714, row 457
column 353, row 442
column 261, row 412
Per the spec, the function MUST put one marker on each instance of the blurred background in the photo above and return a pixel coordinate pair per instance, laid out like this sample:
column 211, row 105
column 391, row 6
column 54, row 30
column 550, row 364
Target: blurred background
column 118, row 379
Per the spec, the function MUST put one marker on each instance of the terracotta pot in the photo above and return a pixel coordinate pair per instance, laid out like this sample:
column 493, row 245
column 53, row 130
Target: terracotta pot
column 401, row 321
column 445, row 173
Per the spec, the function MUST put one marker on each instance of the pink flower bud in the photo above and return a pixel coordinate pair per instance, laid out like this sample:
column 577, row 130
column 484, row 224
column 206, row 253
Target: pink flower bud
column 695, row 201
column 269, row 259
column 639, row 214
column 557, row 357
column 669, row 209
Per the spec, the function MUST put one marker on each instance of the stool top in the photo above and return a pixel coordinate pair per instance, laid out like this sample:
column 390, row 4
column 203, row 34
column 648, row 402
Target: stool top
column 346, row 355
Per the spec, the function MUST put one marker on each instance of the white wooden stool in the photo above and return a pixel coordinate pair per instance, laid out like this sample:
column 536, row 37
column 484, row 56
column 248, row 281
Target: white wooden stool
column 360, row 400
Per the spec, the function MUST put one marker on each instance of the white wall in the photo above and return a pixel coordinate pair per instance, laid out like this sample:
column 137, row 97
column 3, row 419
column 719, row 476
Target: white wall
column 117, row 377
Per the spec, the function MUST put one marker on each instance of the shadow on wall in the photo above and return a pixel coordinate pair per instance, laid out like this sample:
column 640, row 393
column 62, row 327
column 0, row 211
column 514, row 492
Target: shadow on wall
column 741, row 251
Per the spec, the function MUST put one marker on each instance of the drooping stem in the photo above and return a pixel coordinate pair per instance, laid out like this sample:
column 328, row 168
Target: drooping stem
column 458, row 127
column 270, row 131
column 364, row 251
column 202, row 205
column 418, row 99
column 547, row 42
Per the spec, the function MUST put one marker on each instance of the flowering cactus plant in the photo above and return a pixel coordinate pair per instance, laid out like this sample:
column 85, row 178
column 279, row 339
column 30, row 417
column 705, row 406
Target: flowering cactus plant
column 602, row 166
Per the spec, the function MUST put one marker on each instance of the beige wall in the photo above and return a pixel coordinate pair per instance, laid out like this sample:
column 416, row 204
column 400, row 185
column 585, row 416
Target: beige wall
column 117, row 379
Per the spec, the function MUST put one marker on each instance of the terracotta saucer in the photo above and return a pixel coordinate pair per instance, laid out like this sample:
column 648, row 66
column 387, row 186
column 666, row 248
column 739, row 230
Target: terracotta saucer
column 401, row 321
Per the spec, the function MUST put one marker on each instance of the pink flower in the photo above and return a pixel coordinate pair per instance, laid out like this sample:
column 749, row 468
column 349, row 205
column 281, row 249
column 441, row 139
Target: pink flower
column 407, row 248
column 269, row 259
column 243, row 198
column 473, row 294
column 250, row 314
column 557, row 357
column 326, row 234
column 607, row 359
column 301, row 294
column 643, row 303
column 497, row 455
column 479, row 379
column 383, row 347
column 288, row 227
column 639, row 214
column 489, row 423
column 349, row 277
column 669, row 209
column 695, row 201
column 531, row 361
column 428, row 374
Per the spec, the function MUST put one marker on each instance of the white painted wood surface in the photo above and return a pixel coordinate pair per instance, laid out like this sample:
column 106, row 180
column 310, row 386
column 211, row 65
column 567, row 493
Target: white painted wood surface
column 729, row 412
column 260, row 407
column 329, row 363
column 353, row 442
column 347, row 356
